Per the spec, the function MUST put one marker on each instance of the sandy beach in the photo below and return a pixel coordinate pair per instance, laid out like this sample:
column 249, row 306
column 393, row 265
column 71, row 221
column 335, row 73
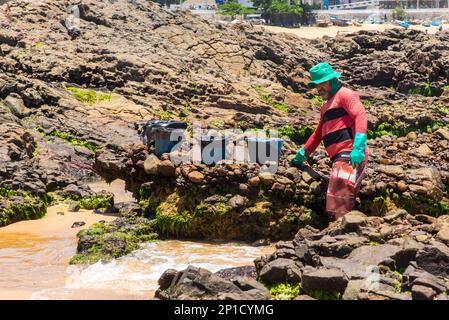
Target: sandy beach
column 333, row 31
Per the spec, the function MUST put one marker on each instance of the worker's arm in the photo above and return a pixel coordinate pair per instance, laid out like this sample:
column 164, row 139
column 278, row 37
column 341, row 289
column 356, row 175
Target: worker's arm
column 314, row 141
column 354, row 107
column 311, row 144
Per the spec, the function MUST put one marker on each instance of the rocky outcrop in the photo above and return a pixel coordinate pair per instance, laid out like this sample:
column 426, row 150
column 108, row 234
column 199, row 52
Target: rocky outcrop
column 371, row 260
column 198, row 283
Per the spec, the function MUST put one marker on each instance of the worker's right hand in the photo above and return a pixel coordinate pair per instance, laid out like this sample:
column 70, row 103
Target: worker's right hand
column 299, row 158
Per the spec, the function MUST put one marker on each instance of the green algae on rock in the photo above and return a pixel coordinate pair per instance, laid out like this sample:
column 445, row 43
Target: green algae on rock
column 17, row 205
column 109, row 240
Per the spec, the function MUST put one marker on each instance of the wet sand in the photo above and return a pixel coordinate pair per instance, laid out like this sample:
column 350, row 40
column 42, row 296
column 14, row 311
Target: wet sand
column 333, row 31
column 34, row 257
column 34, row 254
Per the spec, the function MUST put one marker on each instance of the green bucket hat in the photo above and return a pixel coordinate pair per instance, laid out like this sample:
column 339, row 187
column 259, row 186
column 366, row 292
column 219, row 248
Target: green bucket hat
column 322, row 72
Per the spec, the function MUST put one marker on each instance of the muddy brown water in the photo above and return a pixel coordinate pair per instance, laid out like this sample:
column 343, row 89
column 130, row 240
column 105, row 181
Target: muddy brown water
column 34, row 258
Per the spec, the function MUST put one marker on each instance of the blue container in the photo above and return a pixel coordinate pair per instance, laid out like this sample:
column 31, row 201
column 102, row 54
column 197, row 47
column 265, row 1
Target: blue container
column 164, row 134
column 261, row 150
column 213, row 149
column 163, row 142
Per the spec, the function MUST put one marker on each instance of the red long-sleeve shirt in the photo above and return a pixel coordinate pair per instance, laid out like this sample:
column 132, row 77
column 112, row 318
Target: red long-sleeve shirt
column 341, row 117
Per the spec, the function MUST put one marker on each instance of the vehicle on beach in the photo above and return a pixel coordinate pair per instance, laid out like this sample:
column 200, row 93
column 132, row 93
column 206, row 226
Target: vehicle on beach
column 339, row 22
column 426, row 24
column 255, row 19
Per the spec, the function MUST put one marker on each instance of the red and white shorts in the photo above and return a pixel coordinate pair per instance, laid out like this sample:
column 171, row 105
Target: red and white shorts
column 344, row 184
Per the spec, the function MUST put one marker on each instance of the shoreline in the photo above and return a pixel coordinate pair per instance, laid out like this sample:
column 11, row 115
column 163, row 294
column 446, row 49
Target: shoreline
column 333, row 31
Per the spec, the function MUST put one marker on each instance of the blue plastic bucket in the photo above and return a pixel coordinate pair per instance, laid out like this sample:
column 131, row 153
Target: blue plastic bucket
column 164, row 141
column 261, row 150
column 213, row 149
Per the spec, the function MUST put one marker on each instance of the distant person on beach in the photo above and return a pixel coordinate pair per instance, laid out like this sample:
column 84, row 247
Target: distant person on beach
column 342, row 128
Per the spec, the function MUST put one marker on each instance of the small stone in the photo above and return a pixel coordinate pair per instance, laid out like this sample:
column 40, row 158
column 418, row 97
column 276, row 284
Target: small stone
column 151, row 164
column 167, row 168
column 60, row 213
column 74, row 207
column 402, row 186
column 196, row 177
column 352, row 221
column 386, row 231
column 412, row 136
column 326, row 280
column 304, row 297
column 254, row 181
column 421, row 237
column 381, row 186
column 443, row 234
column 424, row 150
column 443, row 133
column 307, row 177
column 243, row 188
column 293, row 173
column 395, row 214
column 422, row 293
column 284, row 180
column 266, row 178
column 237, row 202
column 78, row 224
column 418, row 189
column 393, row 171
column 166, row 278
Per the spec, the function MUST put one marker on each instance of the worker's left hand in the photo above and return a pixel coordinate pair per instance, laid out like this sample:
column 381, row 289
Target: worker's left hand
column 356, row 157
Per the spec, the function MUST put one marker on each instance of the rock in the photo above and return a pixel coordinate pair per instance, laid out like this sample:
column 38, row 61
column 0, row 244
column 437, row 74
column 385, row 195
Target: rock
column 325, row 280
column 267, row 178
column 74, row 207
column 443, row 234
column 392, row 171
column 247, row 284
column 385, row 295
column 198, row 283
column 422, row 293
column 166, row 168
column 395, row 214
column 353, row 289
column 442, row 133
column 307, row 177
column 166, row 278
column 152, row 164
column 196, row 177
column 243, row 271
column 244, row 189
column 78, row 224
column 279, row 270
column 352, row 221
column 402, row 186
column 238, row 202
column 434, row 258
column 442, row 296
column 283, row 180
column 15, row 103
column 424, row 150
column 412, row 136
column 293, row 174
column 304, row 297
column 254, row 181
column 415, row 276
column 374, row 255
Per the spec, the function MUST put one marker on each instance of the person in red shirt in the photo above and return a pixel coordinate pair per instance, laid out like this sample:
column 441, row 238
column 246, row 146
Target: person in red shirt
column 342, row 128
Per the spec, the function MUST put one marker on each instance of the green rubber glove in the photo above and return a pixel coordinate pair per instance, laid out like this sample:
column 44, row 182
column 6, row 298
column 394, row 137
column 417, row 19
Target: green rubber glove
column 357, row 154
column 299, row 158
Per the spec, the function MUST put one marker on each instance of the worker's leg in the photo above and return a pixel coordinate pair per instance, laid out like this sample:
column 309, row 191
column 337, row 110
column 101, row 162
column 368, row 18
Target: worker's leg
column 344, row 184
